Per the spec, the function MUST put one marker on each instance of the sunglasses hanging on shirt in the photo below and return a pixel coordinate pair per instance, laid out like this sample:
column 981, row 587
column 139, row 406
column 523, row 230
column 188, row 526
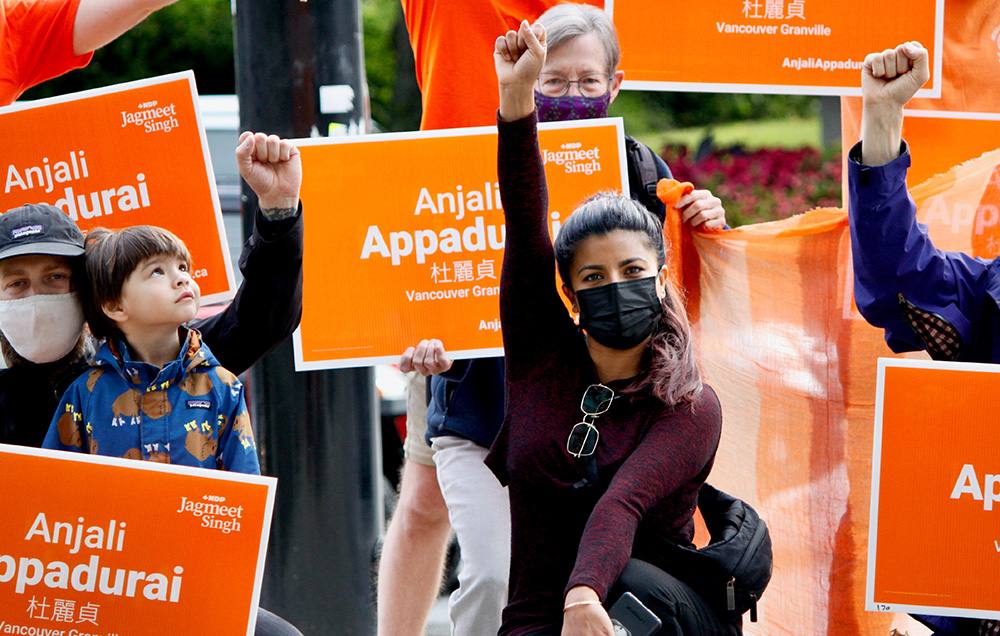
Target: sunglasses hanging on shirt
column 584, row 436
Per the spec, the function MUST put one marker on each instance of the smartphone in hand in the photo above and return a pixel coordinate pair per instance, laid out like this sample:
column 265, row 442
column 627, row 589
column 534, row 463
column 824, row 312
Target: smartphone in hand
column 631, row 618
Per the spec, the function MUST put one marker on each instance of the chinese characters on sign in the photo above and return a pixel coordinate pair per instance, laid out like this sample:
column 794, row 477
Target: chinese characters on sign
column 774, row 9
column 462, row 271
column 62, row 611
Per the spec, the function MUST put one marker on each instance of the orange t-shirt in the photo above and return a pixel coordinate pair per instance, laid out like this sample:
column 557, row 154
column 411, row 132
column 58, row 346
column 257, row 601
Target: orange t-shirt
column 453, row 49
column 36, row 44
column 971, row 59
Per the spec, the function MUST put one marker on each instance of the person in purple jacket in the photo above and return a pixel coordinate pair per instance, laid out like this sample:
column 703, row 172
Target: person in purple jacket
column 924, row 298
column 609, row 432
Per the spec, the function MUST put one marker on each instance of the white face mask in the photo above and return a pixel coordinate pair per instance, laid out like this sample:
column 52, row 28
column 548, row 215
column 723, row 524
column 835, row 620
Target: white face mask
column 44, row 327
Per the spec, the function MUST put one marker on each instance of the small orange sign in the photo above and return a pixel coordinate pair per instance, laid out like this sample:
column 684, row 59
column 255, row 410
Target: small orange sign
column 99, row 545
column 418, row 228
column 934, row 540
column 808, row 47
column 129, row 154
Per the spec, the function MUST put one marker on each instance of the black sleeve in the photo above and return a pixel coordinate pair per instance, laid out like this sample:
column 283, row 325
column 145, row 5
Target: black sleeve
column 268, row 304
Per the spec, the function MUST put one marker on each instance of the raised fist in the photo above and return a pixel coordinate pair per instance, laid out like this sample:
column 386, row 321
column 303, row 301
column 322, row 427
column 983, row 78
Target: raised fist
column 272, row 168
column 519, row 55
column 893, row 76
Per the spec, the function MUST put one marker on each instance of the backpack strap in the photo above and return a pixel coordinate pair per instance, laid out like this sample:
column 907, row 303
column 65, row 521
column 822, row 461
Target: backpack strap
column 642, row 173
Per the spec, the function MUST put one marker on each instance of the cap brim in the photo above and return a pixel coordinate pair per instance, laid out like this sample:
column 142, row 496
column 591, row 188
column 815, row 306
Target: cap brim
column 52, row 248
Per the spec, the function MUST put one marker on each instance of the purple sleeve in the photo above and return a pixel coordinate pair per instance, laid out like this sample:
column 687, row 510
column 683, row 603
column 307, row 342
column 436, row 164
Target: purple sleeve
column 531, row 312
column 894, row 256
column 677, row 450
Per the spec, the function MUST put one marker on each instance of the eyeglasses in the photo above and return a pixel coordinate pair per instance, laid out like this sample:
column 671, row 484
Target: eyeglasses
column 589, row 86
column 584, row 436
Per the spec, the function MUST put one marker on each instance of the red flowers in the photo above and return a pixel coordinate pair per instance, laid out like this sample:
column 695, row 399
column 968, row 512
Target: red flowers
column 762, row 185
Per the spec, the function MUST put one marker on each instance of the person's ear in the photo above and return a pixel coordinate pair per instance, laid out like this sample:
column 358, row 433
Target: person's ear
column 616, row 83
column 115, row 310
column 662, row 279
column 572, row 297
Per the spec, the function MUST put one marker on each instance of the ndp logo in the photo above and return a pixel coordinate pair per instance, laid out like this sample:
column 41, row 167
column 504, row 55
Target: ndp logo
column 213, row 512
column 574, row 158
column 152, row 117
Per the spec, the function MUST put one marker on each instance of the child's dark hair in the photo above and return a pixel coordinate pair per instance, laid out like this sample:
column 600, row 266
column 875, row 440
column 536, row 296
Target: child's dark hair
column 673, row 374
column 110, row 258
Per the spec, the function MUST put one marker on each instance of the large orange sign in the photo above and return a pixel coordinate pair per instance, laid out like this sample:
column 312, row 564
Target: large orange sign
column 123, row 155
column 98, row 545
column 809, row 47
column 406, row 239
column 934, row 539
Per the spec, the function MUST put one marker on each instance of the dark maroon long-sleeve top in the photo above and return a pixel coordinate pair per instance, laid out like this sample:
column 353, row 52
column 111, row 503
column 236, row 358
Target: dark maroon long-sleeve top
column 652, row 459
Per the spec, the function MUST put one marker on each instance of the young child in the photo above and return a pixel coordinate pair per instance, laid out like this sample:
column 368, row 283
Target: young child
column 155, row 392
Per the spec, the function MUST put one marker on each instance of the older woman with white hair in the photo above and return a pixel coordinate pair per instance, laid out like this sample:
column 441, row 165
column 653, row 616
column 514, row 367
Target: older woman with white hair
column 580, row 80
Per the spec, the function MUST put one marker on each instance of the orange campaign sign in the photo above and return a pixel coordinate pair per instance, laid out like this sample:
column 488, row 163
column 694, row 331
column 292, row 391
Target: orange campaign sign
column 799, row 47
column 105, row 546
column 934, row 460
column 415, row 223
column 129, row 154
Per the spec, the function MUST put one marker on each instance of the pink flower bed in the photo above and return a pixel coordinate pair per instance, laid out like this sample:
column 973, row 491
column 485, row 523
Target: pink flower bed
column 762, row 185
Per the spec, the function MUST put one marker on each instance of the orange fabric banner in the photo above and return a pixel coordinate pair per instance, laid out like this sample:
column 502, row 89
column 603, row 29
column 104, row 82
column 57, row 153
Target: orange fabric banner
column 795, row 367
column 422, row 238
column 798, row 47
column 944, row 411
column 99, row 545
column 129, row 154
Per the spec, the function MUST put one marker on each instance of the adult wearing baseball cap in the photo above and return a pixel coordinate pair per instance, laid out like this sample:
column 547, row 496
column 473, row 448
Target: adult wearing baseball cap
column 42, row 334
column 40, row 318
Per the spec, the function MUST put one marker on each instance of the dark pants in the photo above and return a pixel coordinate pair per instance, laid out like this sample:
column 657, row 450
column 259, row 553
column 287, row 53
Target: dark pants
column 682, row 610
column 269, row 624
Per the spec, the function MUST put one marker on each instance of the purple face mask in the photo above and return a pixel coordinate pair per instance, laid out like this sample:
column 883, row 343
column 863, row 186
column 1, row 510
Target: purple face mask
column 570, row 107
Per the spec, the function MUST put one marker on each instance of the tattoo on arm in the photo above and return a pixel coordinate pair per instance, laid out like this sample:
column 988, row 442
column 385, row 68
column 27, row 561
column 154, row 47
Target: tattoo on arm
column 278, row 214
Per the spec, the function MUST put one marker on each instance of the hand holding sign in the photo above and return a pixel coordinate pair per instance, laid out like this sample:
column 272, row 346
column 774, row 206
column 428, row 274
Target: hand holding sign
column 895, row 75
column 519, row 57
column 427, row 358
column 272, row 168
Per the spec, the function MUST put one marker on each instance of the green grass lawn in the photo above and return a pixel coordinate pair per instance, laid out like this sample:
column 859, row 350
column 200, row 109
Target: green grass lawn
column 775, row 133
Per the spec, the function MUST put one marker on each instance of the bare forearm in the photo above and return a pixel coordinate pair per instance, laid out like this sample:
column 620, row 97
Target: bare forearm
column 516, row 101
column 98, row 22
column 881, row 133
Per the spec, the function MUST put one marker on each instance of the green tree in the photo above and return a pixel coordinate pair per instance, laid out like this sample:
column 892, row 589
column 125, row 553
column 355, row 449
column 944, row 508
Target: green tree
column 195, row 35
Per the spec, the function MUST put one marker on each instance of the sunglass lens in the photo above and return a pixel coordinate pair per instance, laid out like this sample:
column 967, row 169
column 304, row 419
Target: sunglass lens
column 582, row 440
column 597, row 399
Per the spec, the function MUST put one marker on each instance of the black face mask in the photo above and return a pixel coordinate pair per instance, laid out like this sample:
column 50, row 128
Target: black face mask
column 620, row 315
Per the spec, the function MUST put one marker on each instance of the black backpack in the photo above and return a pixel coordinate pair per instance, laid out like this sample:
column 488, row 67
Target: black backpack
column 733, row 570
column 643, row 175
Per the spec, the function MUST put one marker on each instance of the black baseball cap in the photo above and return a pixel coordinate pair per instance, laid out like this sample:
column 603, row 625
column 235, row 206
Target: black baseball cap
column 39, row 228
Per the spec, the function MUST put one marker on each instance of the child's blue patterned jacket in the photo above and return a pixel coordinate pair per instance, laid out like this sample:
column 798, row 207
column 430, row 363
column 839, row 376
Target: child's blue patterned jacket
column 190, row 412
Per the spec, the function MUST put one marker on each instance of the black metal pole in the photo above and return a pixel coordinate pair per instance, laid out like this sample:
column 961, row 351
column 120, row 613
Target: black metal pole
column 300, row 73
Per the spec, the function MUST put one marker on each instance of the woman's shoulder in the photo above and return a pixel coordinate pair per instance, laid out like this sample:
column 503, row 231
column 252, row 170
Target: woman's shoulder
column 704, row 407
